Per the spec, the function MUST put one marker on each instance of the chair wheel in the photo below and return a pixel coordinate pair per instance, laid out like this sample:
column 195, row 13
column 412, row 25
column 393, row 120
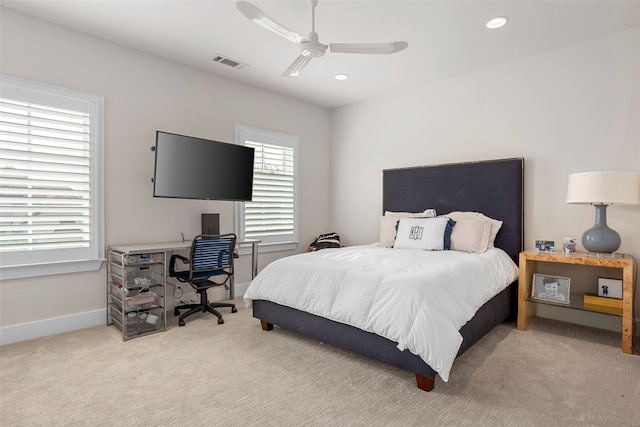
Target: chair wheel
column 181, row 323
column 220, row 321
column 176, row 312
column 233, row 309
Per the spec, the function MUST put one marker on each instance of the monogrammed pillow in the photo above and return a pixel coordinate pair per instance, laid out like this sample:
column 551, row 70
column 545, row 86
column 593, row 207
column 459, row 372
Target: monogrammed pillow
column 433, row 234
column 390, row 219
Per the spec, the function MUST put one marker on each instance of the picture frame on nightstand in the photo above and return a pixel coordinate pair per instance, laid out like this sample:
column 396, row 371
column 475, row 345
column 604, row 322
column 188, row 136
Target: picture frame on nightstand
column 548, row 288
column 545, row 246
column 609, row 288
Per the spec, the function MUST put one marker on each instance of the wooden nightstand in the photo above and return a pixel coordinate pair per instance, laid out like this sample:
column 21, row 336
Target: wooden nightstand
column 528, row 266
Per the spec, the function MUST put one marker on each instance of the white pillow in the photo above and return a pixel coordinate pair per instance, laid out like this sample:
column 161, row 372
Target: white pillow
column 474, row 232
column 427, row 213
column 389, row 220
column 423, row 233
column 495, row 227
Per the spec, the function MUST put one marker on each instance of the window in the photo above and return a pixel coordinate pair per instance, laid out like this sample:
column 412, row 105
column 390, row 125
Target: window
column 272, row 214
column 51, row 179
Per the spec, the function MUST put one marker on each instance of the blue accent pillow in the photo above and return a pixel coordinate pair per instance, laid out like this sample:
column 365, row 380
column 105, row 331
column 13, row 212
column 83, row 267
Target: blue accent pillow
column 447, row 234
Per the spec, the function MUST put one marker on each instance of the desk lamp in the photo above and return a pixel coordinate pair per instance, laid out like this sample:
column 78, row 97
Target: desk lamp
column 601, row 189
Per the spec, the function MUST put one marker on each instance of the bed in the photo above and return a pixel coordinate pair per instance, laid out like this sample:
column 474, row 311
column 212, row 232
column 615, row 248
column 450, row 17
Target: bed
column 494, row 188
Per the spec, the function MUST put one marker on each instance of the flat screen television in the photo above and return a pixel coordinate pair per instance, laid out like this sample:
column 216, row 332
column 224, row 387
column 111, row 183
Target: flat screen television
column 196, row 168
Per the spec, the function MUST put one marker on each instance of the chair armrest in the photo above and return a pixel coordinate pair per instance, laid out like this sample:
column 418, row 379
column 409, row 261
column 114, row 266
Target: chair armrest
column 172, row 264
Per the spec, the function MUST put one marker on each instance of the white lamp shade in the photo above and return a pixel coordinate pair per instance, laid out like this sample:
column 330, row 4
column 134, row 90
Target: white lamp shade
column 604, row 188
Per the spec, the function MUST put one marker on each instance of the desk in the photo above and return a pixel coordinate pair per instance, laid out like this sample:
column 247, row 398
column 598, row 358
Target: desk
column 168, row 247
column 136, row 313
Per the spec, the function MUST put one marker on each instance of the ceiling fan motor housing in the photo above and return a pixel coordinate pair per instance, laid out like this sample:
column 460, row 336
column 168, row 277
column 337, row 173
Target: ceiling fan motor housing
column 312, row 48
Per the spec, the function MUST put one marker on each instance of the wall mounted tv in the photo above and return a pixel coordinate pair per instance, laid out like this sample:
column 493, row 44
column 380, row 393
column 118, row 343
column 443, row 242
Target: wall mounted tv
column 195, row 168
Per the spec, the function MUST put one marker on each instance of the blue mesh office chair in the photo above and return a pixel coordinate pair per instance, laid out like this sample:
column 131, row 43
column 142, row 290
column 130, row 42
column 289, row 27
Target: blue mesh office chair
column 210, row 265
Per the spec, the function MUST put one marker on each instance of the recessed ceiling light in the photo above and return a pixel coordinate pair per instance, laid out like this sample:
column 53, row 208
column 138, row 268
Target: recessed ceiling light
column 341, row 76
column 497, row 22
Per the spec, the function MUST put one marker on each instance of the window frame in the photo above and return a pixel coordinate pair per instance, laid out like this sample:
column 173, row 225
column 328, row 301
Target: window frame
column 23, row 264
column 245, row 133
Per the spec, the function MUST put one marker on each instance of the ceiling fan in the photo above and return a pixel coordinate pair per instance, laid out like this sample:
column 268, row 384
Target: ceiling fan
column 311, row 47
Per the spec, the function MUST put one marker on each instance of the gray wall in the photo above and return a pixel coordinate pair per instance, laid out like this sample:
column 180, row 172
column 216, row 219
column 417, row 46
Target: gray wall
column 144, row 93
column 569, row 110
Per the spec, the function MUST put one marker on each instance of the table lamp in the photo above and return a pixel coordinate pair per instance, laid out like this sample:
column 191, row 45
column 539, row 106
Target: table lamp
column 601, row 189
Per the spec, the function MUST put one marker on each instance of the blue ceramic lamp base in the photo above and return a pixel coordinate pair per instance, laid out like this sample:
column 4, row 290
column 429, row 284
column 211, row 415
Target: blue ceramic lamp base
column 600, row 238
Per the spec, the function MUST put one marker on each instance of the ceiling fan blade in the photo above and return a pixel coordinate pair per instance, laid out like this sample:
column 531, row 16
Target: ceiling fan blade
column 298, row 64
column 262, row 19
column 375, row 48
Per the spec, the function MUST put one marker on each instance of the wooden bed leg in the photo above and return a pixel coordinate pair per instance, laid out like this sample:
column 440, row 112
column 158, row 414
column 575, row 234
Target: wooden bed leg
column 425, row 383
column 266, row 326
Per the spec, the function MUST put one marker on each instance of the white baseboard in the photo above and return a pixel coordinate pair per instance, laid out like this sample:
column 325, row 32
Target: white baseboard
column 58, row 325
column 42, row 328
column 239, row 290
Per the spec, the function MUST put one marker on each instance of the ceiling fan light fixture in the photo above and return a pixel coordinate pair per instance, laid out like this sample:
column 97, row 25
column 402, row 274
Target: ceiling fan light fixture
column 497, row 22
column 312, row 48
column 341, row 76
column 313, row 51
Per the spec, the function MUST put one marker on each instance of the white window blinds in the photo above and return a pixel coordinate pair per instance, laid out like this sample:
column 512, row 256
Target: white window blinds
column 271, row 210
column 272, row 214
column 45, row 177
column 51, row 179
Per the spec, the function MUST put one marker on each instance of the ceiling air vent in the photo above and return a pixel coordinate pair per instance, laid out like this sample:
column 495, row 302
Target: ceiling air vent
column 228, row 62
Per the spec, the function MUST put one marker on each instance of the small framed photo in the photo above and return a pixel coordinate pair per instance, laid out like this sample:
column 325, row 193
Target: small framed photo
column 609, row 288
column 545, row 246
column 569, row 244
column 551, row 288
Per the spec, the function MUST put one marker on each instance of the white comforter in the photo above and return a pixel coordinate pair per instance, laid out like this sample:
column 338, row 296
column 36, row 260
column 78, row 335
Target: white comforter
column 419, row 299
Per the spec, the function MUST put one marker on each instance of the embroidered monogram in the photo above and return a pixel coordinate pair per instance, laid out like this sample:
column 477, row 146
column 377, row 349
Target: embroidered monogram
column 415, row 233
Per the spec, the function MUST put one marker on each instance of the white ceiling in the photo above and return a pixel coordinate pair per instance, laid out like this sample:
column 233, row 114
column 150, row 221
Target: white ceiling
column 446, row 37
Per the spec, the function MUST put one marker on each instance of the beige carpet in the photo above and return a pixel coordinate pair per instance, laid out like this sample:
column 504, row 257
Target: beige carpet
column 205, row 374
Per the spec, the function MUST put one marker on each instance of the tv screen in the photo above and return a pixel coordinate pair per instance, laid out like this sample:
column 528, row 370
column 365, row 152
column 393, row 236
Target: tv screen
column 195, row 168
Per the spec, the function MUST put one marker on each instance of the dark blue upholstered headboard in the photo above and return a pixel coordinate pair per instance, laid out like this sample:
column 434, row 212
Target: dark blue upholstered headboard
column 493, row 187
